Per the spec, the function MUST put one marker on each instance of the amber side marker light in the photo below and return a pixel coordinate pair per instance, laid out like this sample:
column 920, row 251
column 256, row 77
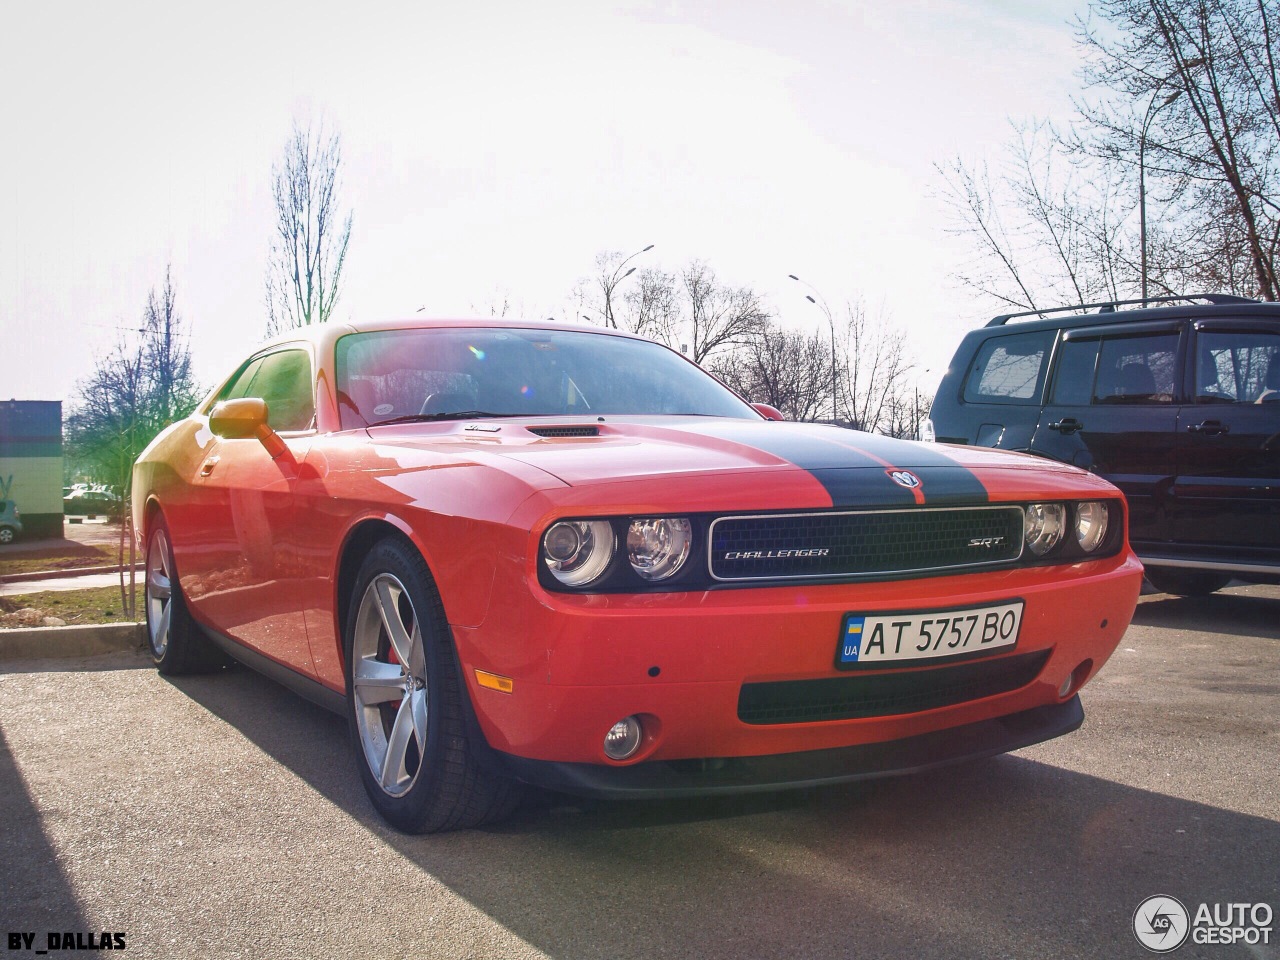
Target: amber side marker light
column 495, row 682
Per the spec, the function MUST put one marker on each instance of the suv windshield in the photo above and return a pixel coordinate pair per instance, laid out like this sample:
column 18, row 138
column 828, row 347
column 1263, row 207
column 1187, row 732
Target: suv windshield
column 486, row 371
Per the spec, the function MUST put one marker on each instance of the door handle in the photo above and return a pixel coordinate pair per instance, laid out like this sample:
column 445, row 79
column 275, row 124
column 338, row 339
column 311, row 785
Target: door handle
column 1210, row 428
column 206, row 468
column 1067, row 425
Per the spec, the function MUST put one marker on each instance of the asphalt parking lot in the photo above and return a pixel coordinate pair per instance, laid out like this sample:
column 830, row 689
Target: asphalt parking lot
column 222, row 817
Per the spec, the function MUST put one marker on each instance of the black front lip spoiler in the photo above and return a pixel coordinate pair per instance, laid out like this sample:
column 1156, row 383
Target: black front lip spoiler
column 786, row 771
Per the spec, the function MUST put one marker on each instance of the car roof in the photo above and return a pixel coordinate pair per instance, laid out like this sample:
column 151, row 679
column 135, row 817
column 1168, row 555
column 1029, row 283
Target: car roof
column 1222, row 305
column 325, row 334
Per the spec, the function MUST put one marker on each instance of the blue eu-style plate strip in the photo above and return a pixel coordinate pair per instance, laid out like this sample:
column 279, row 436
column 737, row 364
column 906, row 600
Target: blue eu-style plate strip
column 851, row 639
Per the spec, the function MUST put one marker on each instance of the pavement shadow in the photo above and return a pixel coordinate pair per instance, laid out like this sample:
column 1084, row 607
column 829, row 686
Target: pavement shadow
column 1234, row 614
column 35, row 894
column 1003, row 857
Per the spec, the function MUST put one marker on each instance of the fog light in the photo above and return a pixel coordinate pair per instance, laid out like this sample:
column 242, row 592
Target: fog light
column 623, row 739
column 1077, row 678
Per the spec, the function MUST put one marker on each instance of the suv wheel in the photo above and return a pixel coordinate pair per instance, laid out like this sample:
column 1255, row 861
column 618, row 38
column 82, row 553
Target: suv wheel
column 1186, row 583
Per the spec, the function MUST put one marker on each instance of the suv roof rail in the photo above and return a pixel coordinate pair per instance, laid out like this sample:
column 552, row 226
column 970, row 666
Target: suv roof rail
column 1109, row 306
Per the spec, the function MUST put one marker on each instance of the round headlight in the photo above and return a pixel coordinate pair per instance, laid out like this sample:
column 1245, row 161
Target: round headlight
column 1043, row 526
column 578, row 551
column 658, row 547
column 1091, row 524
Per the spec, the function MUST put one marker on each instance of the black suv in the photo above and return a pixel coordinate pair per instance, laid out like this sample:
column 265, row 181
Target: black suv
column 1177, row 404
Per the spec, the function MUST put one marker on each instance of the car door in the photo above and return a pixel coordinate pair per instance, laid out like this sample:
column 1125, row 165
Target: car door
column 255, row 596
column 1111, row 409
column 1227, row 492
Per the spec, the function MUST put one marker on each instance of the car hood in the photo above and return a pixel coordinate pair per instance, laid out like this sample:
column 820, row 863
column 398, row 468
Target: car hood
column 855, row 468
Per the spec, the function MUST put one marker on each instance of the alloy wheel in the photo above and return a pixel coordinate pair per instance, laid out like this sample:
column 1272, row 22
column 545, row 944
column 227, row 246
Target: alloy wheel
column 159, row 593
column 389, row 684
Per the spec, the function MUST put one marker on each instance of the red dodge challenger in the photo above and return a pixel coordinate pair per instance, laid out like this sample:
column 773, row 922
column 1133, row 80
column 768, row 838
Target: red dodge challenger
column 514, row 553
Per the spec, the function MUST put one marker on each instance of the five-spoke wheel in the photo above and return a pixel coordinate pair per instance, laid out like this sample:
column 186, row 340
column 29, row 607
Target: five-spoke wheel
column 389, row 684
column 407, row 706
column 177, row 644
column 159, row 592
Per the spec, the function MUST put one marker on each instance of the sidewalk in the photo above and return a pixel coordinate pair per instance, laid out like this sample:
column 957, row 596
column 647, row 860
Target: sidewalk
column 60, row 580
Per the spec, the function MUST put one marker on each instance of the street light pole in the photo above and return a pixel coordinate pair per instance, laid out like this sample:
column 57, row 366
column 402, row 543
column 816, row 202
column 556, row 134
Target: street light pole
column 831, row 322
column 1150, row 115
column 614, row 280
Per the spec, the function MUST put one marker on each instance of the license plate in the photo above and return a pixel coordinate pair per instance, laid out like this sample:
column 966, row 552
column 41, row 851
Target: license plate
column 890, row 638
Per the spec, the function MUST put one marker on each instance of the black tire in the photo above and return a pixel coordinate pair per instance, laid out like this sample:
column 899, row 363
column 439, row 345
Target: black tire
column 1186, row 583
column 176, row 643
column 408, row 726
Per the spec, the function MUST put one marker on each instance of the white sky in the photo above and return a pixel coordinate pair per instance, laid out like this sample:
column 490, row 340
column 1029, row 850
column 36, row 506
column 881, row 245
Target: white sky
column 492, row 149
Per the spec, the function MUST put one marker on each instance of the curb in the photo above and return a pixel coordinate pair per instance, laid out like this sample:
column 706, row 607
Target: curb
column 60, row 574
column 86, row 640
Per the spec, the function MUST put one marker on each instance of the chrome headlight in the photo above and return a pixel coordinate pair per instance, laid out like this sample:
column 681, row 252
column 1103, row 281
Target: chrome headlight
column 1043, row 526
column 1091, row 524
column 578, row 551
column 658, row 547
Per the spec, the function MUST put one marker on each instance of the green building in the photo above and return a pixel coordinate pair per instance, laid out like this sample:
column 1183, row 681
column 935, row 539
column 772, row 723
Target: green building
column 31, row 463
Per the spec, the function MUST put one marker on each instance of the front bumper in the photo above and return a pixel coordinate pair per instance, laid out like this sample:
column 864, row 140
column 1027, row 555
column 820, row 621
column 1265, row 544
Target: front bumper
column 729, row 775
column 681, row 662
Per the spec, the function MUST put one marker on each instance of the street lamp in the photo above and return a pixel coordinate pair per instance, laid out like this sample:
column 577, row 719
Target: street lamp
column 831, row 322
column 613, row 280
column 1150, row 115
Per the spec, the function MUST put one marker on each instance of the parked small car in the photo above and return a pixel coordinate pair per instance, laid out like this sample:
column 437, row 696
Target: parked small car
column 1175, row 400
column 10, row 521
column 92, row 502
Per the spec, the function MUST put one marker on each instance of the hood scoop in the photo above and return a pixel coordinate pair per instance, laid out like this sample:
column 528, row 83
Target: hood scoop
column 585, row 430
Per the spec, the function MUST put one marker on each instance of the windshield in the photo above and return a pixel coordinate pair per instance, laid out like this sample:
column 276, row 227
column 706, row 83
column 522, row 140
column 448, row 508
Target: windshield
column 488, row 371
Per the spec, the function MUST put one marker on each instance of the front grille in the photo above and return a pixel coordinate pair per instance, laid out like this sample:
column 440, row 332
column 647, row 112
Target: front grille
column 566, row 431
column 866, row 544
column 886, row 694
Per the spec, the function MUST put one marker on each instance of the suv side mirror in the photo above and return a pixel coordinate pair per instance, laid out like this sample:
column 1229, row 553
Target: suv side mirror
column 768, row 412
column 244, row 418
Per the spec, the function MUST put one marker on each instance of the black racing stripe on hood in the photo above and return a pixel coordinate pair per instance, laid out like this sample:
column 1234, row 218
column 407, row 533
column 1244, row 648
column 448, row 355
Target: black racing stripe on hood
column 854, row 467
column 943, row 481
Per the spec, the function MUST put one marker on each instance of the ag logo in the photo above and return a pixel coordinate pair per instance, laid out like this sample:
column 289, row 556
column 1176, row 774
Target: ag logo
column 904, row 478
column 1161, row 924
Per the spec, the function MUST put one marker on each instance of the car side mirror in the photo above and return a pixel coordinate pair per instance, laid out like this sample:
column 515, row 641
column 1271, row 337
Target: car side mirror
column 245, row 418
column 768, row 412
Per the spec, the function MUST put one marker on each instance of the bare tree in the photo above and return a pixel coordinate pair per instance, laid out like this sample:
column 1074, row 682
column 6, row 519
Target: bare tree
column 1191, row 87
column 651, row 305
column 690, row 311
column 1045, row 228
column 1169, row 183
column 141, row 386
column 718, row 317
column 789, row 370
column 875, row 371
column 309, row 248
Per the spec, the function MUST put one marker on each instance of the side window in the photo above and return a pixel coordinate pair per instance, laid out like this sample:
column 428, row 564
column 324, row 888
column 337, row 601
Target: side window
column 1009, row 369
column 239, row 384
column 284, row 381
column 1237, row 367
column 1073, row 378
column 1137, row 369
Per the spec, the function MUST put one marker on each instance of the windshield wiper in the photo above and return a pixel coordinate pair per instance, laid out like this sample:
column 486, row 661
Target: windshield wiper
column 449, row 415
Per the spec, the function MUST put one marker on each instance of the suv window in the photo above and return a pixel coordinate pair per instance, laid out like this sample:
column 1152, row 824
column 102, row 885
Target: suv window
column 1137, row 369
column 1009, row 369
column 1075, row 368
column 1237, row 367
